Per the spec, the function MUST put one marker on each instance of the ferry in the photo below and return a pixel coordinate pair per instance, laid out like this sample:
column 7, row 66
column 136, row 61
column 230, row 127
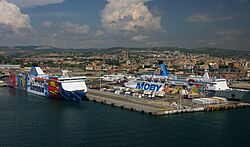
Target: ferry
column 37, row 82
column 189, row 86
column 219, row 87
column 167, row 83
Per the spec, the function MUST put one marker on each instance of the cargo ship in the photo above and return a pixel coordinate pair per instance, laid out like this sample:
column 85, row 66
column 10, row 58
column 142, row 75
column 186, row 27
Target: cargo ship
column 37, row 82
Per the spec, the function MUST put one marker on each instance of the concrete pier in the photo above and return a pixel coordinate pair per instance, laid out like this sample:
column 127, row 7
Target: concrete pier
column 126, row 102
column 155, row 107
column 240, row 85
column 3, row 85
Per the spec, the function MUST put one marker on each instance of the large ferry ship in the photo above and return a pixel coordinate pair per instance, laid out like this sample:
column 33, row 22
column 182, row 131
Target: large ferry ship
column 190, row 86
column 37, row 82
column 167, row 83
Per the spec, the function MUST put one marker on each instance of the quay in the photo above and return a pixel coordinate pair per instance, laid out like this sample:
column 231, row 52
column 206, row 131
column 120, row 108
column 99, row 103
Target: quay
column 156, row 107
column 3, row 85
column 241, row 85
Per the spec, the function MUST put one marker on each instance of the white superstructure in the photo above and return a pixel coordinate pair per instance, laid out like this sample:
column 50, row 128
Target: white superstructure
column 111, row 78
column 73, row 84
column 214, row 84
column 217, row 85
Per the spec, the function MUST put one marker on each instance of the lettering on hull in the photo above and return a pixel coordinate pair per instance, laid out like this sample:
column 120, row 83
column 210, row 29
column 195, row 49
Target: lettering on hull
column 146, row 86
column 37, row 88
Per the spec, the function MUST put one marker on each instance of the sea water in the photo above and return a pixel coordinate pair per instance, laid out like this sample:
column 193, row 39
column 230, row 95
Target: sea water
column 27, row 119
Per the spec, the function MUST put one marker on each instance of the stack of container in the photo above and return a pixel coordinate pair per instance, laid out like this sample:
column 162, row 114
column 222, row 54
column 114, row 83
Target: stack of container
column 209, row 101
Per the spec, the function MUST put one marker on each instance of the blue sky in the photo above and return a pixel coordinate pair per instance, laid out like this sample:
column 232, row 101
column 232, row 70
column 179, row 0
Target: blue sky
column 130, row 23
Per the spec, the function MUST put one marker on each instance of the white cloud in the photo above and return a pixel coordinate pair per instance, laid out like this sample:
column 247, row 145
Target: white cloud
column 75, row 28
column 230, row 32
column 99, row 33
column 53, row 14
column 206, row 17
column 11, row 17
column 129, row 15
column 32, row 3
column 139, row 38
column 234, row 35
column 47, row 23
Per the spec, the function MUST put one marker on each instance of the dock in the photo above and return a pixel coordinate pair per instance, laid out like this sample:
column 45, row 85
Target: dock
column 3, row 85
column 240, row 85
column 156, row 107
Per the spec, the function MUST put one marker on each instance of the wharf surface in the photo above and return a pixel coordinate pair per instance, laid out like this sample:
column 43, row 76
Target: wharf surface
column 3, row 85
column 155, row 107
column 241, row 85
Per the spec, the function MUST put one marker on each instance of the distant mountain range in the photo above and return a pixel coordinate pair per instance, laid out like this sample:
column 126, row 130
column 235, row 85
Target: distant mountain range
column 23, row 50
column 33, row 50
column 217, row 52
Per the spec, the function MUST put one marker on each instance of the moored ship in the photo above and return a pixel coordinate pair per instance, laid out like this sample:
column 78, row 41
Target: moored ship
column 37, row 82
column 167, row 83
column 191, row 86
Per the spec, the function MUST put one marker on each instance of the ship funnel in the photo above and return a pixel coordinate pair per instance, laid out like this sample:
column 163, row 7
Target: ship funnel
column 36, row 71
column 163, row 69
column 206, row 75
column 65, row 73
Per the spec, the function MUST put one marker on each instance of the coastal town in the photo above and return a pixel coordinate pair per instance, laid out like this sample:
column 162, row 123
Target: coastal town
column 128, row 61
column 111, row 77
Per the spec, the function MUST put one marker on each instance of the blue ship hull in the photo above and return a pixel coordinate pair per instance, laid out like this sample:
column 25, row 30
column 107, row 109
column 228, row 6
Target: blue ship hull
column 75, row 96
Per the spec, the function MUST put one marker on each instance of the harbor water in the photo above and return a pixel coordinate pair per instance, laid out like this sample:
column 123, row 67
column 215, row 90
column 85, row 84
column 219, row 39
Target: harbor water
column 27, row 119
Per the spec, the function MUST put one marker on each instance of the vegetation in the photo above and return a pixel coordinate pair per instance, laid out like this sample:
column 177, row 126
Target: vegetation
column 27, row 51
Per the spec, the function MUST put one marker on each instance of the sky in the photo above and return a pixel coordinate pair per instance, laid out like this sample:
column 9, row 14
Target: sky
column 126, row 23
